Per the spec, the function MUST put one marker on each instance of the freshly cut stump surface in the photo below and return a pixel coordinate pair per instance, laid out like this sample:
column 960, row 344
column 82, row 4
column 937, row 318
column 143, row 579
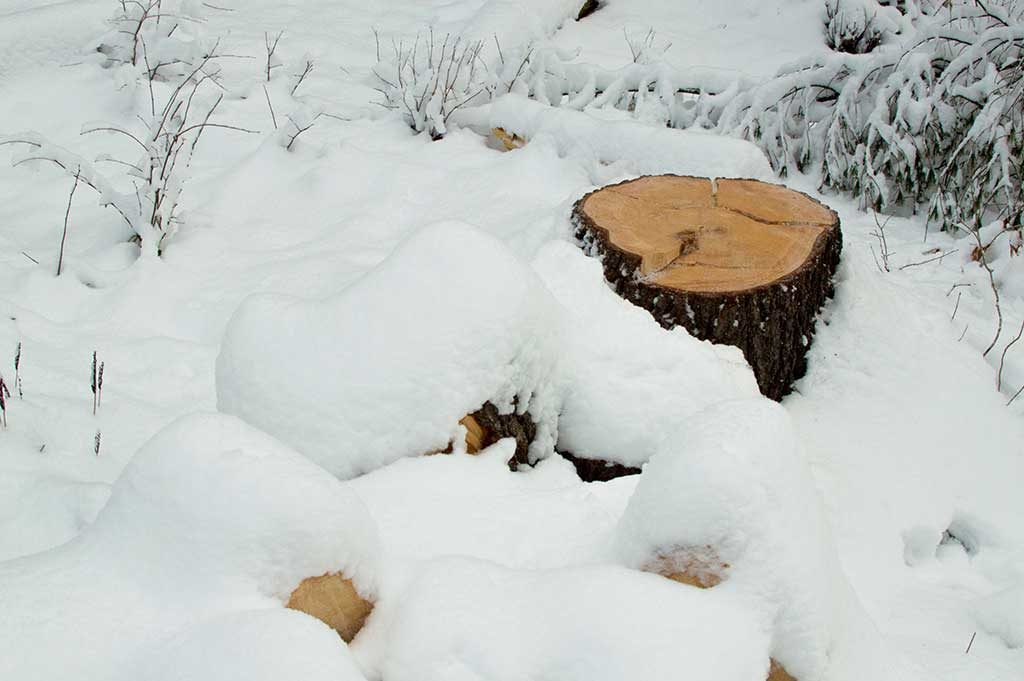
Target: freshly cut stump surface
column 739, row 262
column 333, row 600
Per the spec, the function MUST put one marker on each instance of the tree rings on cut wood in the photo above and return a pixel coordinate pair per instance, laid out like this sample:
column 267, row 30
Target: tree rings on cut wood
column 739, row 262
column 333, row 600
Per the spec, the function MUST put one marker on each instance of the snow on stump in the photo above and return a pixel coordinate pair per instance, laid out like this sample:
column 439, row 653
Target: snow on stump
column 332, row 599
column 738, row 262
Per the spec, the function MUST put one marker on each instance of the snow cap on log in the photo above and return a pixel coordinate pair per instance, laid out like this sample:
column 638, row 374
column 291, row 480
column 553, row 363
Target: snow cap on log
column 450, row 321
column 728, row 503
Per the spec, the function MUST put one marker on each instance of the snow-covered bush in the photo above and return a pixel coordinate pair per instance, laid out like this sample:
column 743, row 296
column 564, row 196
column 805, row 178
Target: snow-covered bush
column 851, row 26
column 159, row 37
column 167, row 142
column 936, row 123
column 430, row 79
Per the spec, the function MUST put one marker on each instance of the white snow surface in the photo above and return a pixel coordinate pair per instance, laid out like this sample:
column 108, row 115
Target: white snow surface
column 627, row 382
column 579, row 624
column 909, row 545
column 211, row 518
column 732, row 483
column 451, row 320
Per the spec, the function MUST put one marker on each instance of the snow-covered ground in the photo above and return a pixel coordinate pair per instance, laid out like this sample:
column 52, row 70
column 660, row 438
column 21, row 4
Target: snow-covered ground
column 354, row 296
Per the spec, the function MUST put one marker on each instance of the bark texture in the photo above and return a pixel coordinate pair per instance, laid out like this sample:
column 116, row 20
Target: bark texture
column 772, row 323
column 598, row 470
column 493, row 426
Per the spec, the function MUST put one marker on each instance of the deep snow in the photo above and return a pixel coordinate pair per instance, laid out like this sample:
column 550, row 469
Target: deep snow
column 911, row 452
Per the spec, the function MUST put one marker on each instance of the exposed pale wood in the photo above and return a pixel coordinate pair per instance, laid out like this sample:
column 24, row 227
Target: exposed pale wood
column 476, row 436
column 717, row 237
column 778, row 673
column 697, row 566
column 332, row 599
column 510, row 140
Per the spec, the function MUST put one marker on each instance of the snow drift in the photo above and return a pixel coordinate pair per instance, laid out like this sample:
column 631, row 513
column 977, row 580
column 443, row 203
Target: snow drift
column 385, row 370
column 210, row 518
column 730, row 484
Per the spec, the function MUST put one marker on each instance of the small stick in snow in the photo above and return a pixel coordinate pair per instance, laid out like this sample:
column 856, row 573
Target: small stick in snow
column 99, row 386
column 30, row 257
column 270, row 106
column 302, row 76
column 67, row 214
column 17, row 371
column 3, row 401
column 93, row 384
column 939, row 257
column 271, row 48
column 971, row 643
column 96, row 443
column 981, row 258
column 957, row 306
column 1002, row 358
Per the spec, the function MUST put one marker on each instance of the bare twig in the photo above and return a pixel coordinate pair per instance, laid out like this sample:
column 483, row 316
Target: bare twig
column 4, row 395
column 957, row 306
column 302, row 76
column 67, row 214
column 971, row 643
column 940, row 256
column 271, row 46
column 1002, row 358
column 93, row 383
column 983, row 259
column 270, row 106
column 883, row 243
column 17, row 371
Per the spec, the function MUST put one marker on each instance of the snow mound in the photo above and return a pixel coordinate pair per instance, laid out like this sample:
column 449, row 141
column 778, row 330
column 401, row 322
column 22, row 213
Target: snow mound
column 730, row 484
column 255, row 645
column 640, row 149
column 468, row 620
column 628, row 380
column 387, row 368
column 1002, row 615
column 210, row 517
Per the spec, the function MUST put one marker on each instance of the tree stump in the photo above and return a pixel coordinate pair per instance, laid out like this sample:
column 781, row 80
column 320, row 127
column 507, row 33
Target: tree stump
column 739, row 262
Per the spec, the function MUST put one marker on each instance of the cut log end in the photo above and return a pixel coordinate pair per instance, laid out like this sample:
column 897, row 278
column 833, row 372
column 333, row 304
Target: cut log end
column 333, row 600
column 510, row 140
column 738, row 262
